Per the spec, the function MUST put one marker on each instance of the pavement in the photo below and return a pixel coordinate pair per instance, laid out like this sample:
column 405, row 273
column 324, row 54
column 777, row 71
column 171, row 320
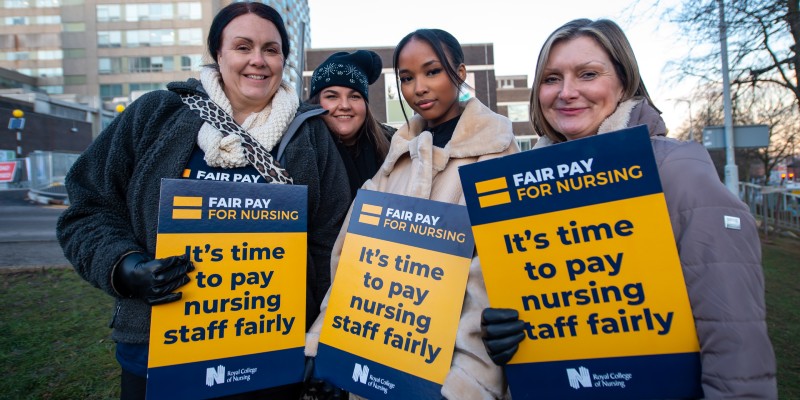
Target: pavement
column 28, row 233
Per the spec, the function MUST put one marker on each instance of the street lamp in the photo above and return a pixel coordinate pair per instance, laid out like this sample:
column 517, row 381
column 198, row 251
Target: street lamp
column 18, row 122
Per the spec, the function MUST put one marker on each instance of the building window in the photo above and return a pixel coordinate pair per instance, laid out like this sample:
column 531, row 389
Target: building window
column 106, row 65
column 48, row 19
column 191, row 62
column 50, row 55
column 42, row 72
column 16, row 4
column 150, row 37
column 74, row 27
column 17, row 55
column 146, row 87
column 190, row 37
column 108, row 12
column 109, row 39
column 526, row 142
column 15, row 21
column 518, row 112
column 190, row 11
column 53, row 89
column 74, row 53
column 75, row 79
column 505, row 83
column 394, row 111
column 151, row 64
column 148, row 12
column 47, row 3
column 108, row 92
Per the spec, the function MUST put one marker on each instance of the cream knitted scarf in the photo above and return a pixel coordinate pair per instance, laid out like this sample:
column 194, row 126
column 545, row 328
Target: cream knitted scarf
column 266, row 126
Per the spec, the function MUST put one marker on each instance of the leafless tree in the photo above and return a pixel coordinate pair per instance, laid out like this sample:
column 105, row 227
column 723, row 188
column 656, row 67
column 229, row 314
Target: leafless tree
column 751, row 106
column 763, row 37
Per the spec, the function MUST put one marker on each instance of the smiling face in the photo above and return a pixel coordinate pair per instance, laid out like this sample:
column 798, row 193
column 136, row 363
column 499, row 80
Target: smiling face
column 425, row 84
column 580, row 88
column 347, row 111
column 250, row 63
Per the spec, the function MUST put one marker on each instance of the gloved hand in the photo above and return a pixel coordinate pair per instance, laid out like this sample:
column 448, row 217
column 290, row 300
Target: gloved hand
column 138, row 276
column 501, row 331
column 319, row 389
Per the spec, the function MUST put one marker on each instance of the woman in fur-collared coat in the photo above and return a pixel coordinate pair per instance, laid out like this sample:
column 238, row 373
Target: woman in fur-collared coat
column 423, row 162
column 587, row 83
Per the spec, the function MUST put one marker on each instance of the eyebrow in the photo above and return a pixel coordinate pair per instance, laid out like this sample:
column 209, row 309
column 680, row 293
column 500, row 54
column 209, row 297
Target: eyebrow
column 249, row 40
column 425, row 65
column 581, row 65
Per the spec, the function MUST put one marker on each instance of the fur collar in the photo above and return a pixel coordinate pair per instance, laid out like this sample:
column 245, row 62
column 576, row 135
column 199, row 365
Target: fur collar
column 479, row 131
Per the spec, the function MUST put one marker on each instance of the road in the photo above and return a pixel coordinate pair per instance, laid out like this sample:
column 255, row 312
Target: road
column 28, row 232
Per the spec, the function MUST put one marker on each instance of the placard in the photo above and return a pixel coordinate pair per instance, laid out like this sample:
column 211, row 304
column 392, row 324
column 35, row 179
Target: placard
column 240, row 325
column 577, row 237
column 390, row 328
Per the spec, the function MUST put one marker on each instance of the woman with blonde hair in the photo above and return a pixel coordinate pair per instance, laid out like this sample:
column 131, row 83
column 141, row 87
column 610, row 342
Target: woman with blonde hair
column 587, row 82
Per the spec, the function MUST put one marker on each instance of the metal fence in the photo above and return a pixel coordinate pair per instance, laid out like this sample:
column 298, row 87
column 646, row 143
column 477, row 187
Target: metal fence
column 776, row 206
column 43, row 173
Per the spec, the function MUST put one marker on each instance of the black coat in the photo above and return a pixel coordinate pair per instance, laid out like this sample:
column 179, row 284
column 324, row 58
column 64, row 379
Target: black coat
column 114, row 189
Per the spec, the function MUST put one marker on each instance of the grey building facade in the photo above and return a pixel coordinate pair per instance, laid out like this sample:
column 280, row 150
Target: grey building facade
column 102, row 52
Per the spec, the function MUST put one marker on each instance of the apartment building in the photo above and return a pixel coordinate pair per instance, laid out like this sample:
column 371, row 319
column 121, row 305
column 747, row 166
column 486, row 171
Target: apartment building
column 106, row 52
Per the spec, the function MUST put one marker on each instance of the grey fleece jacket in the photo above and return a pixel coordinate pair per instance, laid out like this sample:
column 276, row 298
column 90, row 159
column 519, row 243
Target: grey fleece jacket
column 721, row 266
column 114, row 191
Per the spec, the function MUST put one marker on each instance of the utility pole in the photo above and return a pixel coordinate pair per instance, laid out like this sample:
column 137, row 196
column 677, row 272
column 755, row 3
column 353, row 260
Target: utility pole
column 731, row 171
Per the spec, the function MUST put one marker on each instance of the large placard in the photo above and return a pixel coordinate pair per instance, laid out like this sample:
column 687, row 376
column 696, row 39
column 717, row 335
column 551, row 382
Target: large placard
column 390, row 328
column 577, row 237
column 240, row 325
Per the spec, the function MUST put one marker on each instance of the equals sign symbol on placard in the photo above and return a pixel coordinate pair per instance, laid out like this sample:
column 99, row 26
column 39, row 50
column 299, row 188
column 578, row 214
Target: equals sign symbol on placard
column 187, row 207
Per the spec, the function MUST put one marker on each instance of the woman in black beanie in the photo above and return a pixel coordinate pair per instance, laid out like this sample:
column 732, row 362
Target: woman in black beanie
column 341, row 86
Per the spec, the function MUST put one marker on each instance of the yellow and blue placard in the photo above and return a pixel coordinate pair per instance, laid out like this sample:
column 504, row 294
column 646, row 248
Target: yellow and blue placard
column 390, row 327
column 577, row 238
column 240, row 325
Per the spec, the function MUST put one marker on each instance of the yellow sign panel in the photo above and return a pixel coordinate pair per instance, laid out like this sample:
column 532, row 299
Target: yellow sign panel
column 586, row 283
column 399, row 309
column 224, row 312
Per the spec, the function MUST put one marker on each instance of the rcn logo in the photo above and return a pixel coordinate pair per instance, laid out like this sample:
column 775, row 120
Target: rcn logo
column 360, row 373
column 215, row 376
column 579, row 379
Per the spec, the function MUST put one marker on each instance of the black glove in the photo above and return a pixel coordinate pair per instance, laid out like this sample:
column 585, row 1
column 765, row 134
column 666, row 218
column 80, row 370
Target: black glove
column 501, row 331
column 317, row 388
column 138, row 276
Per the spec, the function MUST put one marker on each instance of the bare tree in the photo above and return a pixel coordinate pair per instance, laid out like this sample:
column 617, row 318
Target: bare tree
column 763, row 38
column 750, row 106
